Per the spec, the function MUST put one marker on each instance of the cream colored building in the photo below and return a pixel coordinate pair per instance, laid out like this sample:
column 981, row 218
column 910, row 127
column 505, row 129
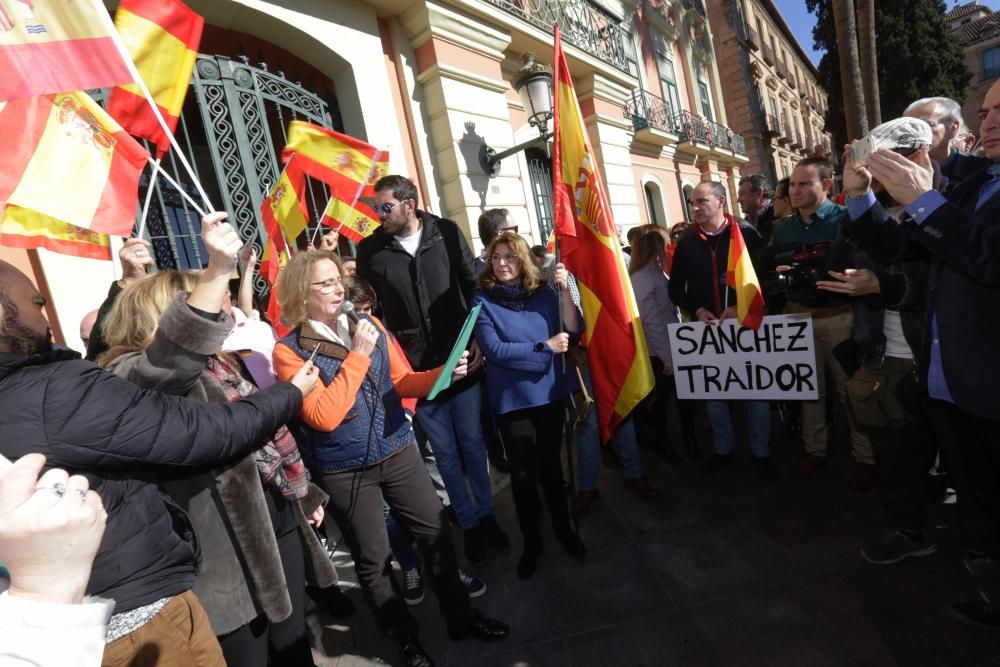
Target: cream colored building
column 431, row 82
column 978, row 31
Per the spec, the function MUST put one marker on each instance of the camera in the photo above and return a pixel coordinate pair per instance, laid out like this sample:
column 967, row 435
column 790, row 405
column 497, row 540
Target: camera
column 808, row 263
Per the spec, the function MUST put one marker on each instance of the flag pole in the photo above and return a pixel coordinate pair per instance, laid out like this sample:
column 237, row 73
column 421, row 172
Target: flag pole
column 574, row 511
column 357, row 195
column 105, row 17
column 177, row 187
column 149, row 198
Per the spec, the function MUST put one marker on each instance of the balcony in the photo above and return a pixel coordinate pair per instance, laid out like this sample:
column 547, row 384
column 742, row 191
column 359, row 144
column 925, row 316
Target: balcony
column 582, row 24
column 781, row 70
column 652, row 119
column 768, row 55
column 753, row 39
column 772, row 126
column 791, row 79
column 704, row 136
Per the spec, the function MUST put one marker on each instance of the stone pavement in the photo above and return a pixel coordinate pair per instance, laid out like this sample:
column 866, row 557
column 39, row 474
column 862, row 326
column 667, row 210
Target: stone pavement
column 722, row 570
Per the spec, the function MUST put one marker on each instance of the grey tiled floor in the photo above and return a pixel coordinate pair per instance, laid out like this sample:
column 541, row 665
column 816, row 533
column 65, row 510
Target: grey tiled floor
column 722, row 570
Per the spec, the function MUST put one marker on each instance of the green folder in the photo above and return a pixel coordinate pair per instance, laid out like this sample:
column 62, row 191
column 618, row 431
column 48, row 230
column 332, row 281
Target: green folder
column 444, row 380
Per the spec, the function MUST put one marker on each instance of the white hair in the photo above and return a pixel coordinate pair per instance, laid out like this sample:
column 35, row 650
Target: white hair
column 951, row 111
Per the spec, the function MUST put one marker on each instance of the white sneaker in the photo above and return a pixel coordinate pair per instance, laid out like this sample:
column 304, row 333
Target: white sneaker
column 475, row 586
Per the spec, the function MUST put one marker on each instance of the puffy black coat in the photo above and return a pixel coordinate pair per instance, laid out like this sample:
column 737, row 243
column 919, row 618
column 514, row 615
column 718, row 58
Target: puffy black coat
column 89, row 422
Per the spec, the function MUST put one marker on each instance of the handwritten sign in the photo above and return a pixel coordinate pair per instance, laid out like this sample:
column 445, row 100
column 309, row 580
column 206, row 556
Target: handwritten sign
column 726, row 361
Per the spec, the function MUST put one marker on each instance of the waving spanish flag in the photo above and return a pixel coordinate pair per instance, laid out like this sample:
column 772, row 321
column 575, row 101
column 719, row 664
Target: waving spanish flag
column 29, row 232
column 588, row 240
column 285, row 205
column 340, row 161
column 741, row 277
column 356, row 223
column 66, row 160
column 54, row 46
column 162, row 36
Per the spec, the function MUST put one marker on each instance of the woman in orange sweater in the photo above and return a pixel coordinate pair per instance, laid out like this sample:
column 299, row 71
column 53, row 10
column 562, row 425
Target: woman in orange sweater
column 363, row 449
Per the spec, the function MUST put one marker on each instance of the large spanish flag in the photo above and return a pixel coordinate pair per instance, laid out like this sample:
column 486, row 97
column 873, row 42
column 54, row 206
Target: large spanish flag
column 54, row 46
column 741, row 277
column 66, row 159
column 355, row 223
column 341, row 161
column 588, row 240
column 21, row 228
column 285, row 205
column 162, row 36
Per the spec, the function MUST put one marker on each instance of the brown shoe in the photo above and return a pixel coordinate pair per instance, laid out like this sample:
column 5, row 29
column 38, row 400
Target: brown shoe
column 641, row 487
column 584, row 499
column 807, row 465
column 863, row 476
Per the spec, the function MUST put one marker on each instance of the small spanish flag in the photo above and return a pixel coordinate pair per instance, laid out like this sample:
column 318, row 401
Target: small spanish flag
column 285, row 205
column 340, row 161
column 741, row 277
column 52, row 46
column 22, row 228
column 162, row 36
column 356, row 224
column 66, row 159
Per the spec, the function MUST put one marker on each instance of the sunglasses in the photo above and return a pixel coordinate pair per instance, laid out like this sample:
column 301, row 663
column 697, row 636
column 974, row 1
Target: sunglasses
column 386, row 208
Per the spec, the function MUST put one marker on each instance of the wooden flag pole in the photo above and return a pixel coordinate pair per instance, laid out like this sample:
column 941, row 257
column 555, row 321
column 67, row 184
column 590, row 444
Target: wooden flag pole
column 567, row 407
column 357, row 195
column 127, row 58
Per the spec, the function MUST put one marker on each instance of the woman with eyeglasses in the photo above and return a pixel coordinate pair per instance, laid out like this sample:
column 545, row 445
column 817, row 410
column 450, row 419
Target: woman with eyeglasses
column 527, row 374
column 363, row 448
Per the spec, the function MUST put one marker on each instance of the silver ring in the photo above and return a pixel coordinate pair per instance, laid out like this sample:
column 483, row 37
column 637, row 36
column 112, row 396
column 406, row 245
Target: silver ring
column 59, row 488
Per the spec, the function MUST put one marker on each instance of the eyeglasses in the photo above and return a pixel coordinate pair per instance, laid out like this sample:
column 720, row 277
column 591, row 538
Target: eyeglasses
column 327, row 286
column 386, row 208
column 504, row 259
column 508, row 229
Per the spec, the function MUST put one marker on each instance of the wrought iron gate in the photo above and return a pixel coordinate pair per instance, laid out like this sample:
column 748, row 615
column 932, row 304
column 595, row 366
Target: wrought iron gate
column 232, row 130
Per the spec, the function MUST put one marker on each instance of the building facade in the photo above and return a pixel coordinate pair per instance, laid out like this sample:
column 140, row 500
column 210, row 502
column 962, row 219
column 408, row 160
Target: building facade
column 432, row 83
column 771, row 90
column 978, row 31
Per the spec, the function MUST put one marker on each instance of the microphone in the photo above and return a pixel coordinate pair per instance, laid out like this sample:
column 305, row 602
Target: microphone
column 347, row 308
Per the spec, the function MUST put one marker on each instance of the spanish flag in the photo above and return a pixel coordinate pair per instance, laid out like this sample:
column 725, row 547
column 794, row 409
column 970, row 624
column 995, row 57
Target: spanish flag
column 741, row 277
column 162, row 36
column 342, row 162
column 52, row 46
column 285, row 204
column 356, row 224
column 66, row 160
column 588, row 240
column 21, row 228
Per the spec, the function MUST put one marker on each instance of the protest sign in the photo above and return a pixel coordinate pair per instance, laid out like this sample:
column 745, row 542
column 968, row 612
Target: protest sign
column 726, row 361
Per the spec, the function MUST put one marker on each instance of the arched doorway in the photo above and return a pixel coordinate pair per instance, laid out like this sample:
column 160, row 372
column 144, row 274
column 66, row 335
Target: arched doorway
column 654, row 204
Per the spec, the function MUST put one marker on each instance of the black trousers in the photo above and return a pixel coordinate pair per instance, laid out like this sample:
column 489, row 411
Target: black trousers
column 287, row 642
column 652, row 413
column 356, row 504
column 532, row 438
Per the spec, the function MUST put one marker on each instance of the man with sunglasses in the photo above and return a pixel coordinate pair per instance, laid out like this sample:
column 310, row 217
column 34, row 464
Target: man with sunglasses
column 421, row 266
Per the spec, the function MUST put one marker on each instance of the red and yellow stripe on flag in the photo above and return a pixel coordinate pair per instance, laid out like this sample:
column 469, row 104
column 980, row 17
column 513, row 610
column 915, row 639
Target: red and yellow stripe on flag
column 356, row 224
column 588, row 241
column 21, row 228
column 336, row 159
column 51, row 46
column 741, row 276
column 285, row 206
column 67, row 159
column 162, row 37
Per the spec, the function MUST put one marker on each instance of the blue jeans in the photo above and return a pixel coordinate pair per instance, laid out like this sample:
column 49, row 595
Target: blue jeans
column 441, row 420
column 588, row 443
column 758, row 422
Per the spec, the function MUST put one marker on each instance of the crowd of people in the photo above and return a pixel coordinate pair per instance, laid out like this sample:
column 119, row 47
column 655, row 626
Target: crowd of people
column 174, row 502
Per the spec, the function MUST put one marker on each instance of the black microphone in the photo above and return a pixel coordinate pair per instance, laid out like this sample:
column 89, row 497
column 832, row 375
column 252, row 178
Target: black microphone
column 347, row 308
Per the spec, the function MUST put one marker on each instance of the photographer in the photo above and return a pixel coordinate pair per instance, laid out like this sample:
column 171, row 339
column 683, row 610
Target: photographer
column 806, row 246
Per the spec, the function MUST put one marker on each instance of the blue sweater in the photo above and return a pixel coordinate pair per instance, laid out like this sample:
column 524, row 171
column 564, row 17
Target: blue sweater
column 521, row 370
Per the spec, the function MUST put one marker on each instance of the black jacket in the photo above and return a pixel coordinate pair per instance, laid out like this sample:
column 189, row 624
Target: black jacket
column 89, row 422
column 963, row 285
column 424, row 298
column 698, row 272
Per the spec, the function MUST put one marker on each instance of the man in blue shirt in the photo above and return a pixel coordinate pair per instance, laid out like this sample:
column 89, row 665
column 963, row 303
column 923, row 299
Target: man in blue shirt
column 962, row 234
column 817, row 221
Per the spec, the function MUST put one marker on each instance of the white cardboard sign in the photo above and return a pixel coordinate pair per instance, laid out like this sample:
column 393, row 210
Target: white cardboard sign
column 723, row 360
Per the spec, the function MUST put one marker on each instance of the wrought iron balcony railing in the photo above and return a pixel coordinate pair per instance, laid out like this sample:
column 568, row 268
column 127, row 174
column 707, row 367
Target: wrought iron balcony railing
column 753, row 39
column 646, row 110
column 695, row 128
column 792, row 81
column 780, row 68
column 768, row 54
column 581, row 23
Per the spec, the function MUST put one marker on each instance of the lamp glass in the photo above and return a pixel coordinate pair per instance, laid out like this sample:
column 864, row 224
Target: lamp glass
column 536, row 95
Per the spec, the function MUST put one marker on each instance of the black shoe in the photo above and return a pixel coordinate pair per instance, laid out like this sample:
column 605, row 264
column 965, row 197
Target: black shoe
column 482, row 628
column 691, row 447
column 414, row 654
column 765, row 469
column 528, row 562
column 717, row 462
column 495, row 537
column 475, row 545
column 574, row 546
column 896, row 545
column 977, row 613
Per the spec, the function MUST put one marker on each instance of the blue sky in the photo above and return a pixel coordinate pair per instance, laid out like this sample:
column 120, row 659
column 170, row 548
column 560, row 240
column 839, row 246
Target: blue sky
column 801, row 22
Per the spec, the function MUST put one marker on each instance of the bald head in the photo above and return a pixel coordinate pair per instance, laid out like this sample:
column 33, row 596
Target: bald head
column 23, row 327
column 86, row 326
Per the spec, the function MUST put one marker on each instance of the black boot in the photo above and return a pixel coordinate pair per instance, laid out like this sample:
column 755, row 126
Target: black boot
column 414, row 654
